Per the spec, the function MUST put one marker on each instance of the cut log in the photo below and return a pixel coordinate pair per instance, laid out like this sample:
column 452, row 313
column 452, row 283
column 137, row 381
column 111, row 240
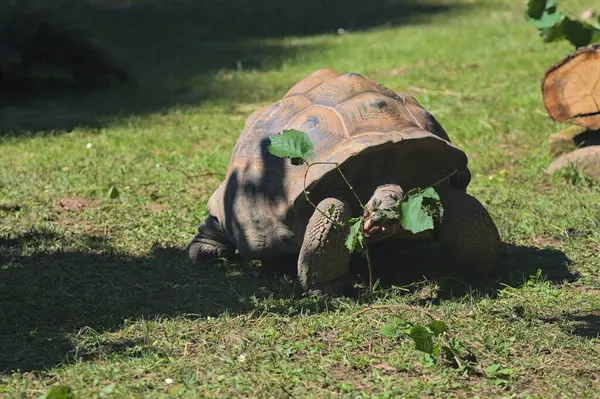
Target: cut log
column 571, row 88
column 586, row 159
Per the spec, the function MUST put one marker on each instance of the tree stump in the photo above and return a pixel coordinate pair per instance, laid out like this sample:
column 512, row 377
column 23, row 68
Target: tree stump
column 571, row 88
column 571, row 93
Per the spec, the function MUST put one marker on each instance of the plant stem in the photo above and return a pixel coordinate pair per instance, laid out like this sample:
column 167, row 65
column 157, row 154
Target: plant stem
column 312, row 203
column 337, row 166
column 454, row 354
column 442, row 179
column 368, row 256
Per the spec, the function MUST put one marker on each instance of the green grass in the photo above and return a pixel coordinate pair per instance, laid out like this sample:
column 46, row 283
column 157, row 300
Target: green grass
column 103, row 294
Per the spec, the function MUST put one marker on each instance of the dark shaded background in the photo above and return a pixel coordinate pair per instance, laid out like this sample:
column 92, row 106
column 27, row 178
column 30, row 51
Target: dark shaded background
column 173, row 49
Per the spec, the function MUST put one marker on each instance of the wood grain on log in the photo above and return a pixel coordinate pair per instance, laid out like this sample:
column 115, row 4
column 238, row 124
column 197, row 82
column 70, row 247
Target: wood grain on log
column 571, row 88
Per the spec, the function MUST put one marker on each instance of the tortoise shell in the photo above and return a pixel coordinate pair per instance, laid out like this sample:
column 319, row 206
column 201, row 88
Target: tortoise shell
column 352, row 121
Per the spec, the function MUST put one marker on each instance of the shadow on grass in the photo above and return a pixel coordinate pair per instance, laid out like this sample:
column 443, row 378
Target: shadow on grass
column 174, row 49
column 423, row 261
column 47, row 296
column 587, row 324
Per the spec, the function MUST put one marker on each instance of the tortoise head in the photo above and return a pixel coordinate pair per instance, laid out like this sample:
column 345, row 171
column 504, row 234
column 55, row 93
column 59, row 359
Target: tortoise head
column 381, row 216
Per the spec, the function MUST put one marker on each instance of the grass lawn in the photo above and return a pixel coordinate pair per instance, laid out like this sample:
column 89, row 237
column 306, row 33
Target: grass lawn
column 97, row 293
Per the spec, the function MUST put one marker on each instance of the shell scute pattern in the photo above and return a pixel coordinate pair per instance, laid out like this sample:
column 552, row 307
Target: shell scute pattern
column 323, row 127
column 271, row 120
column 344, row 88
column 333, row 109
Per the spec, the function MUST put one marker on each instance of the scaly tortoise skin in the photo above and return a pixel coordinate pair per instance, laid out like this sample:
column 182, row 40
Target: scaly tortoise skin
column 385, row 143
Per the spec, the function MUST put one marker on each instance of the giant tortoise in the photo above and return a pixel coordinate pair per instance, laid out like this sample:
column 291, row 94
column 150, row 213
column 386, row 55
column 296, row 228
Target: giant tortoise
column 385, row 143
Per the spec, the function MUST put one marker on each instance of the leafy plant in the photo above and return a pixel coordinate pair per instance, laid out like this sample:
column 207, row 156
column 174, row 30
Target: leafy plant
column 59, row 392
column 417, row 212
column 498, row 376
column 420, row 209
column 554, row 25
column 292, row 144
column 432, row 339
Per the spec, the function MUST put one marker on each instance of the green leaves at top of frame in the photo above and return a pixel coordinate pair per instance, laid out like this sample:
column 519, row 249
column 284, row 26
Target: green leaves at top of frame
column 420, row 209
column 292, row 144
column 542, row 13
column 553, row 25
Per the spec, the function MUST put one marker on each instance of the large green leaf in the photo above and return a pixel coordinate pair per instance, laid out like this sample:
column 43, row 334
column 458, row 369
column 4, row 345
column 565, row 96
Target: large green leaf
column 420, row 209
column 438, row 327
column 413, row 217
column 389, row 330
column 552, row 34
column 423, row 339
column 543, row 13
column 535, row 8
column 432, row 204
column 355, row 239
column 292, row 144
column 577, row 32
column 553, row 25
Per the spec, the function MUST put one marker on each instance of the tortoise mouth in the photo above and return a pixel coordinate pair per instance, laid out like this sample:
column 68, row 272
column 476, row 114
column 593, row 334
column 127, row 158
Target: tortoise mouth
column 375, row 229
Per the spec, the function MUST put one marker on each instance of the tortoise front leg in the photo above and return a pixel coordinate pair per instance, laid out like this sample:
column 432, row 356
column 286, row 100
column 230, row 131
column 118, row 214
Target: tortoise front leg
column 324, row 261
column 210, row 242
column 467, row 234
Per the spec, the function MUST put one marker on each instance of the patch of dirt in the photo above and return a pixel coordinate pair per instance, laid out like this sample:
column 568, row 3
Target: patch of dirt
column 342, row 373
column 386, row 368
column 75, row 204
column 585, row 290
column 512, row 148
column 545, row 379
column 69, row 215
column 542, row 242
column 155, row 207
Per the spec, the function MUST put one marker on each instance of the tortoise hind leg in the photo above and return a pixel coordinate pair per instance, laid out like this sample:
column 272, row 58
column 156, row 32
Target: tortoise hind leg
column 467, row 234
column 324, row 261
column 210, row 242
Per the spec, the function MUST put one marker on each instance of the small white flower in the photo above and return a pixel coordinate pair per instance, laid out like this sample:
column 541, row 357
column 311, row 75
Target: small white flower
column 88, row 145
column 242, row 358
column 341, row 31
column 169, row 380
